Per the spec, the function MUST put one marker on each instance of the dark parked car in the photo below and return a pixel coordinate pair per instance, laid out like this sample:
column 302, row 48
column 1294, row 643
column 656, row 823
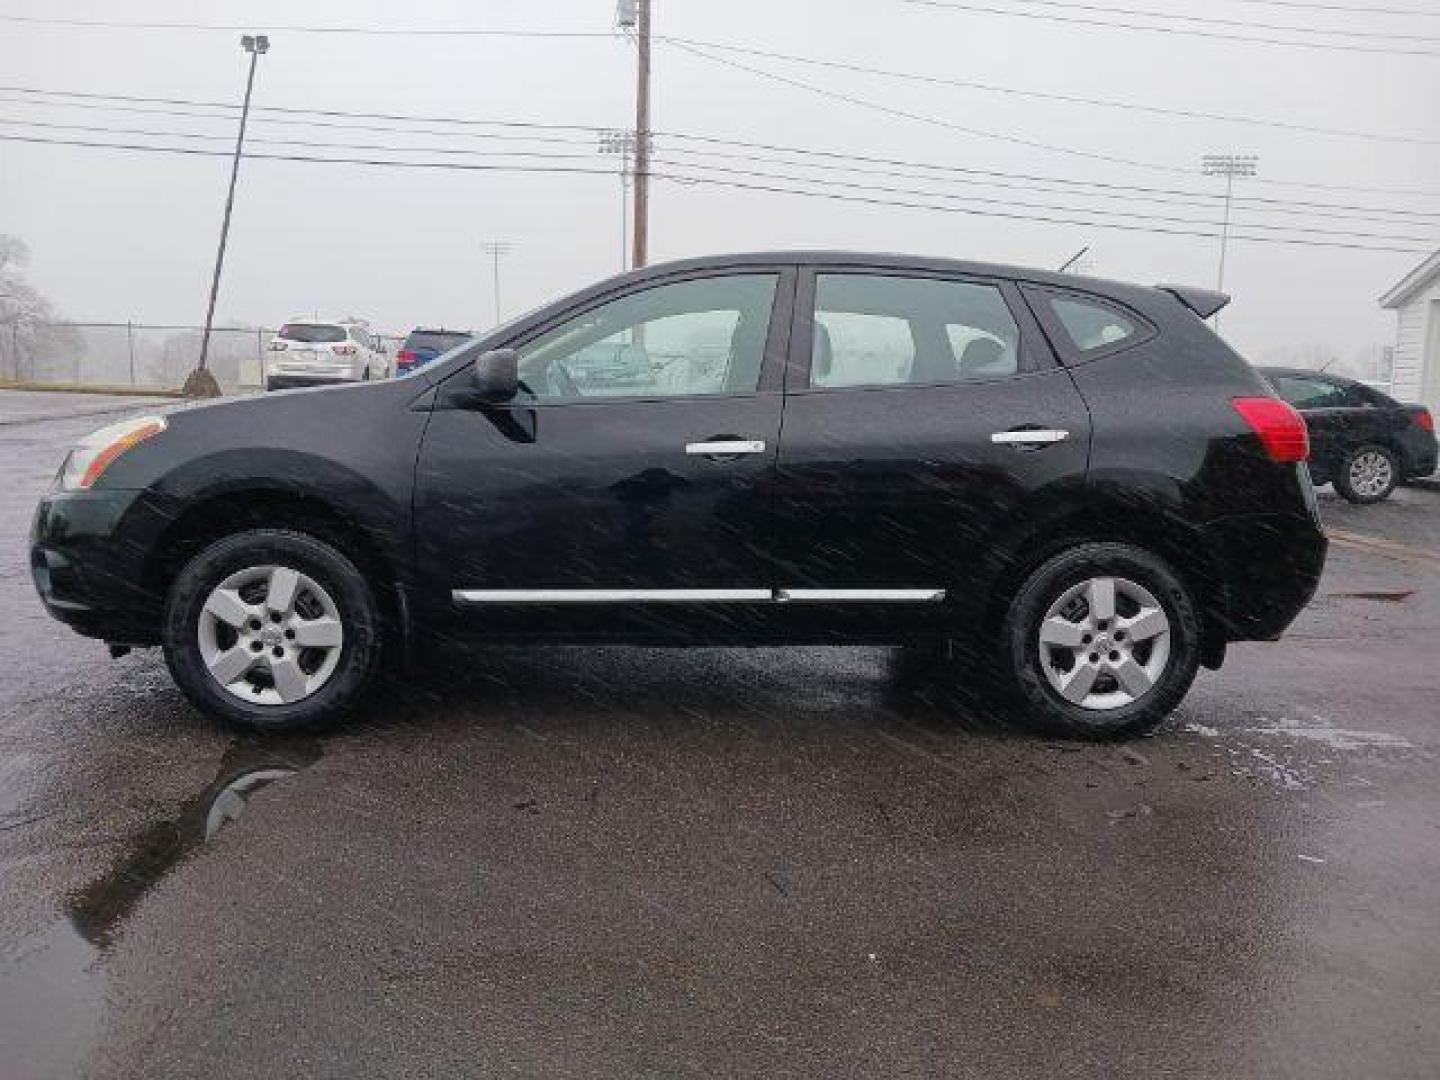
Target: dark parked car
column 422, row 345
column 1364, row 442
column 1073, row 485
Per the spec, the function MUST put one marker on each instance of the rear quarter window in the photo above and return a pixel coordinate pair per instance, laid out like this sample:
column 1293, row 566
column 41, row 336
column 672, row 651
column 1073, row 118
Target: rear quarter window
column 1092, row 326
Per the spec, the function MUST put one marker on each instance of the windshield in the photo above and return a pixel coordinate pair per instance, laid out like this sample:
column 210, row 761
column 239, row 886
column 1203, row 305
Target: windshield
column 312, row 333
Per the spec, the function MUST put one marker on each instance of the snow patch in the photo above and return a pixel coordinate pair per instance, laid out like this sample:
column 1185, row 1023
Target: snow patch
column 1332, row 737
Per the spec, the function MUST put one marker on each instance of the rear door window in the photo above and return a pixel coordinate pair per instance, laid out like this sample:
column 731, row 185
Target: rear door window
column 888, row 330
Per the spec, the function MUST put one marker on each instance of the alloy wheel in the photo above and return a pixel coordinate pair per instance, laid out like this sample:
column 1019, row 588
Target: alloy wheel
column 270, row 635
column 1371, row 474
column 1104, row 643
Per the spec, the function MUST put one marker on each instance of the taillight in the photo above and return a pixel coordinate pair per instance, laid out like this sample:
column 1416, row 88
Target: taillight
column 278, row 346
column 1281, row 429
column 1424, row 421
column 404, row 356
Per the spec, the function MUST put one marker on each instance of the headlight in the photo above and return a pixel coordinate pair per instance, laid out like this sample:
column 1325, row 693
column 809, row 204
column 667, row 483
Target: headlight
column 94, row 453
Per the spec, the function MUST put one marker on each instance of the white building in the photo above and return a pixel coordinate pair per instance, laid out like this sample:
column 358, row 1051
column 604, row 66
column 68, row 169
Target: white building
column 1416, row 303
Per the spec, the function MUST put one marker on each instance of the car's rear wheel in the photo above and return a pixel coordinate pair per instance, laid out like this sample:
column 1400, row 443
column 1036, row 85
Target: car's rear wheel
column 1100, row 642
column 271, row 629
column 1368, row 474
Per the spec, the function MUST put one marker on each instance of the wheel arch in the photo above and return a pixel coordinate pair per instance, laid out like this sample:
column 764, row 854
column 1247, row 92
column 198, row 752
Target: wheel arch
column 1183, row 547
column 223, row 513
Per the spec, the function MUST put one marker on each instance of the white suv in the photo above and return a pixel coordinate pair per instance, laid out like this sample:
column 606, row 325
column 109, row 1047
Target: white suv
column 309, row 352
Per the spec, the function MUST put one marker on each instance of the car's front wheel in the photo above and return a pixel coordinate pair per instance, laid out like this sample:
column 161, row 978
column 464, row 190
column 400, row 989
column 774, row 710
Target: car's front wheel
column 271, row 629
column 1368, row 475
column 1100, row 642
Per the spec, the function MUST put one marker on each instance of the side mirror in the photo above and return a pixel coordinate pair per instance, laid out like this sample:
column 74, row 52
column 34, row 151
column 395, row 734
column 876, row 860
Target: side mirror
column 495, row 376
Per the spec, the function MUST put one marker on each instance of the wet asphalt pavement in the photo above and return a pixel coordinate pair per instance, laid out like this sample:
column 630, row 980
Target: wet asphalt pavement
column 799, row 862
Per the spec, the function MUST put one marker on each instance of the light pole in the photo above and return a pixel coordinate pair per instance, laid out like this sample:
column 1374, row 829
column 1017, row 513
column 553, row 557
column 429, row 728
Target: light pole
column 1229, row 166
column 622, row 143
column 496, row 248
column 200, row 382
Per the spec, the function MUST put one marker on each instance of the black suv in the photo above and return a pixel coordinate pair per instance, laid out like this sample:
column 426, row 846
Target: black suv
column 1072, row 484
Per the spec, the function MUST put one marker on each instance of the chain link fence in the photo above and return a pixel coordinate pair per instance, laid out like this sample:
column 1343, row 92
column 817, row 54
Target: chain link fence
column 141, row 356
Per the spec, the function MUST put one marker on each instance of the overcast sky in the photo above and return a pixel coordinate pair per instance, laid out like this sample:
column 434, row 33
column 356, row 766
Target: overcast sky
column 119, row 236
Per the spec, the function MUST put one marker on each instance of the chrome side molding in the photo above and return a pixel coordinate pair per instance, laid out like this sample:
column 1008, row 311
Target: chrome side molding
column 864, row 596
column 607, row 596
column 694, row 596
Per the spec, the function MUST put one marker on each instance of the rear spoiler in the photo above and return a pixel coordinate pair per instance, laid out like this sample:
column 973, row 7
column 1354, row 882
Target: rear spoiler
column 1203, row 302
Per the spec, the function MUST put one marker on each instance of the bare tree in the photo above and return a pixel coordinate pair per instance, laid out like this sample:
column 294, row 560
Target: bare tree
column 26, row 317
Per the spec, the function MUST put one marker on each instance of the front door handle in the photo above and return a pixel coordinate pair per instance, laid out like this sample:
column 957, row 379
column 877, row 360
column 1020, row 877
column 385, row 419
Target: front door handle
column 726, row 447
column 1029, row 436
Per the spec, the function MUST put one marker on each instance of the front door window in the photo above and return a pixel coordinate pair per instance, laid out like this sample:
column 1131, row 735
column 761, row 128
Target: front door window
column 692, row 338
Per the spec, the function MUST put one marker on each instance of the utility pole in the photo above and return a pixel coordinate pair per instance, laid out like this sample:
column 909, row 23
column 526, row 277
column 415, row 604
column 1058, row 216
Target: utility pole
column 642, row 135
column 200, row 382
column 1229, row 166
column 496, row 248
column 622, row 143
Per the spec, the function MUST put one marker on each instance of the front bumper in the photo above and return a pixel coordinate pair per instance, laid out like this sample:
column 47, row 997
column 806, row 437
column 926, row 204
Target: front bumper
column 88, row 560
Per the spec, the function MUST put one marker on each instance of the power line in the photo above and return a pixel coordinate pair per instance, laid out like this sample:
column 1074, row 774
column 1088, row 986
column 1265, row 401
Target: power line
column 1196, row 200
column 938, row 122
column 991, row 88
column 1190, row 199
column 1074, row 99
column 1351, row 9
column 375, row 31
column 1184, row 32
column 690, row 179
column 752, row 173
column 92, row 100
column 922, row 118
column 983, row 200
column 145, row 110
column 1148, row 13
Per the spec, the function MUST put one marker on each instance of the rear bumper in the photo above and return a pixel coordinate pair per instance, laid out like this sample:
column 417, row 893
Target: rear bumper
column 1271, row 568
column 1421, row 454
column 87, row 560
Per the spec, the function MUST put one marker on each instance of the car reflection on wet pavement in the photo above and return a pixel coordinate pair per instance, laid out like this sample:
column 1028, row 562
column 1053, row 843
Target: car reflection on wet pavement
column 724, row 862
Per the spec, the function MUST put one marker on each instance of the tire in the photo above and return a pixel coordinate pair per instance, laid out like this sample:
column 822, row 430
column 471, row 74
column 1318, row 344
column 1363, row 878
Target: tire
column 1135, row 681
column 1368, row 475
column 328, row 637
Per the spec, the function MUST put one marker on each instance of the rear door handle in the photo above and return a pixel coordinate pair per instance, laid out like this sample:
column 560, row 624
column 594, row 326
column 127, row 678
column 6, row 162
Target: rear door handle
column 726, row 447
column 1030, row 437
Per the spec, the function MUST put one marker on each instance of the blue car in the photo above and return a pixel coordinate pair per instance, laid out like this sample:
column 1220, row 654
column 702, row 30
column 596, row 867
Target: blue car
column 423, row 345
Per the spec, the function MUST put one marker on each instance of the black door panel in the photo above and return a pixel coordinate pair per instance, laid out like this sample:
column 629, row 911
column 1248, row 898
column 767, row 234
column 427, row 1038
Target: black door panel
column 600, row 500
column 908, row 486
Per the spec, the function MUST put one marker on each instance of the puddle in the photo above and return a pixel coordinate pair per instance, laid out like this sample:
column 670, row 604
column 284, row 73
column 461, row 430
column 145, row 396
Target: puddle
column 50, row 994
column 246, row 768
